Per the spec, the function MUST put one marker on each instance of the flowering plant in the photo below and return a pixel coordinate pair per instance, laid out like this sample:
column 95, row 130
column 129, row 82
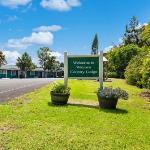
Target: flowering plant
column 110, row 93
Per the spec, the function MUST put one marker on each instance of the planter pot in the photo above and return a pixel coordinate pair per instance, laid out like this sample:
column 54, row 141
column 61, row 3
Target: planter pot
column 106, row 103
column 59, row 99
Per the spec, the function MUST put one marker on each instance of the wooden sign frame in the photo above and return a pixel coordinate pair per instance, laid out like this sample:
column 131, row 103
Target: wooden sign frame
column 100, row 78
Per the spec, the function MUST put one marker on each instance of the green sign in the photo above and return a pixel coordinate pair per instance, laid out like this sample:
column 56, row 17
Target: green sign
column 83, row 67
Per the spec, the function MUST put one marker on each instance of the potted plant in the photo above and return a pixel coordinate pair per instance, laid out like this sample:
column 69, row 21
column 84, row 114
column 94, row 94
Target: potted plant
column 60, row 94
column 108, row 97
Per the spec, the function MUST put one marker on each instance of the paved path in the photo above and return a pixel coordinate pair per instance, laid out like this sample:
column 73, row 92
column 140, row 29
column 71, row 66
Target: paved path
column 10, row 88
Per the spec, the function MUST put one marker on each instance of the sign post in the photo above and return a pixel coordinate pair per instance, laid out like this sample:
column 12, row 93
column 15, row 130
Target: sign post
column 101, row 70
column 83, row 67
column 65, row 69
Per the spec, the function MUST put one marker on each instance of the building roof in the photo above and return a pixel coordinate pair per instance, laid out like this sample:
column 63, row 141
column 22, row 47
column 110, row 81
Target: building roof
column 38, row 69
column 9, row 67
column 104, row 59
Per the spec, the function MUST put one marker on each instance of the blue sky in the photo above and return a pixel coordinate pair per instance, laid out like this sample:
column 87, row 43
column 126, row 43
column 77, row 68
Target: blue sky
column 65, row 25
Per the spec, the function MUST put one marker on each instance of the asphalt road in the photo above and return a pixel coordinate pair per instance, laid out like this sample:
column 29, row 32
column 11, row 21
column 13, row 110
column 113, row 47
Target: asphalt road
column 11, row 88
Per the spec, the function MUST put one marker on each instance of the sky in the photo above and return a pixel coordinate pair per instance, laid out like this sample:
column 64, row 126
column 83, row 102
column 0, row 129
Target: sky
column 65, row 25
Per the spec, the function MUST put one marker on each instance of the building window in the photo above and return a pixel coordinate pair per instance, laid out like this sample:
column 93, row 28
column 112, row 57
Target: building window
column 2, row 71
column 32, row 73
column 14, row 72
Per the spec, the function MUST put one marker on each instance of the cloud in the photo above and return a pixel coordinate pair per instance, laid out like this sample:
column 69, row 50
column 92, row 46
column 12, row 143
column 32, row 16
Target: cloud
column 14, row 3
column 52, row 28
column 140, row 25
column 108, row 48
column 11, row 56
column 60, row 5
column 58, row 55
column 40, row 38
column 74, row 3
column 120, row 41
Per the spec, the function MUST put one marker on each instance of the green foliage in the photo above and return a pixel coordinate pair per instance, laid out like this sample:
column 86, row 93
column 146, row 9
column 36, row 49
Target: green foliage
column 95, row 45
column 47, row 61
column 145, row 35
column 109, row 93
column 133, row 31
column 112, row 75
column 2, row 59
column 146, row 71
column 61, row 64
column 119, row 58
column 138, row 71
column 132, row 73
column 60, row 89
column 25, row 62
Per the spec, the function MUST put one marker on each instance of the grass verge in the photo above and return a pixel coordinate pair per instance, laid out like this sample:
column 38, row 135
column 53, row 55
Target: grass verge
column 31, row 122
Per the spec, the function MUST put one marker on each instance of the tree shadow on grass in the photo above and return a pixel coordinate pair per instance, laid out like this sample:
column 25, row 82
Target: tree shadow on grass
column 53, row 105
column 115, row 111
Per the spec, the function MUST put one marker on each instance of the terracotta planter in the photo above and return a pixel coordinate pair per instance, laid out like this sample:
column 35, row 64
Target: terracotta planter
column 107, row 103
column 59, row 98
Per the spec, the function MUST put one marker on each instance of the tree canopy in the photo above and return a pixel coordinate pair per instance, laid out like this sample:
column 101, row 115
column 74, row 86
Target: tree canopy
column 46, row 59
column 145, row 35
column 2, row 59
column 132, row 33
column 119, row 58
column 25, row 63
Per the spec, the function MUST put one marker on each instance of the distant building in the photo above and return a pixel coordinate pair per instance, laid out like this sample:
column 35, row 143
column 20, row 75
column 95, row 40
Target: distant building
column 12, row 71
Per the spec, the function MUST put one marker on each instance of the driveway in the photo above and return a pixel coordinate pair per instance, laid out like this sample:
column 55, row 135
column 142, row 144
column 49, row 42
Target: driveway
column 11, row 88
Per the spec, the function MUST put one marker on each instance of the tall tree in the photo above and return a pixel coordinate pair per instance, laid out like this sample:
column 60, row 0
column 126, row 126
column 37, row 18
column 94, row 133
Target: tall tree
column 132, row 33
column 145, row 35
column 95, row 45
column 46, row 59
column 25, row 63
column 2, row 59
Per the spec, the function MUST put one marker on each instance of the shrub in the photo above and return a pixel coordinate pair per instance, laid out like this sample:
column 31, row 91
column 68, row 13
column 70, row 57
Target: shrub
column 132, row 74
column 60, row 88
column 112, row 75
column 146, row 71
column 119, row 58
column 138, row 71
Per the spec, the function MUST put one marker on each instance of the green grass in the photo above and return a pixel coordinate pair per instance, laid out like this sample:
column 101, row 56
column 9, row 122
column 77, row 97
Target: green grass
column 30, row 122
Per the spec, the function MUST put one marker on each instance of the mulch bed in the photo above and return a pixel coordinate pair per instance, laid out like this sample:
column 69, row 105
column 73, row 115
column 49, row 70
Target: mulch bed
column 146, row 95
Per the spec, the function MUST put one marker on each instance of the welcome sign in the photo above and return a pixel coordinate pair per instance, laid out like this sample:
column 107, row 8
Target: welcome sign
column 83, row 67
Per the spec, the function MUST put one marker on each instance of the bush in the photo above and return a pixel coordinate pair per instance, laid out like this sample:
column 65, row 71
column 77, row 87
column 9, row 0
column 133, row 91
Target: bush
column 112, row 75
column 146, row 71
column 119, row 58
column 138, row 71
column 132, row 73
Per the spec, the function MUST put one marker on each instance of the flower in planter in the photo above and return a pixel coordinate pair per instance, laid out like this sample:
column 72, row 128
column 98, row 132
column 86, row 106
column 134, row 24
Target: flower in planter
column 110, row 93
column 108, row 97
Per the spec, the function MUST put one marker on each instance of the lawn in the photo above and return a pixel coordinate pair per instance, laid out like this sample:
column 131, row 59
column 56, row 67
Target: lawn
column 31, row 122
